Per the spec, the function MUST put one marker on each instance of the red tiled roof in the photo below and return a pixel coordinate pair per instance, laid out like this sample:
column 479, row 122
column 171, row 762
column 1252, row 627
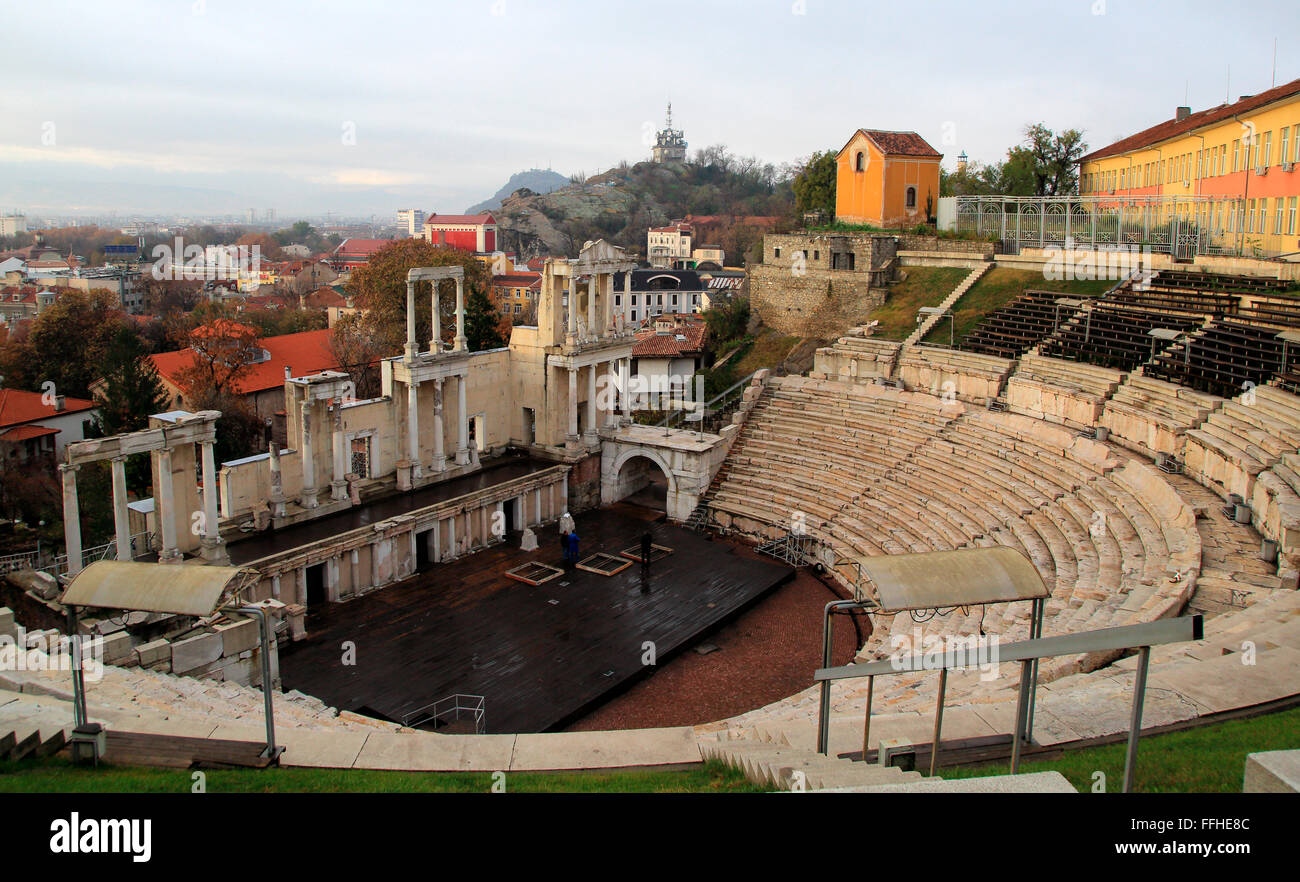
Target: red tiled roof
column 361, row 247
column 515, row 280
column 26, row 433
column 680, row 227
column 18, row 406
column 897, row 143
column 652, row 345
column 323, row 298
column 442, row 220
column 307, row 352
column 1171, row 128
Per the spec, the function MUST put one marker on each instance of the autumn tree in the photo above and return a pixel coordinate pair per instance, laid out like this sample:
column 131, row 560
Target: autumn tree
column 379, row 290
column 358, row 354
column 69, row 340
column 224, row 351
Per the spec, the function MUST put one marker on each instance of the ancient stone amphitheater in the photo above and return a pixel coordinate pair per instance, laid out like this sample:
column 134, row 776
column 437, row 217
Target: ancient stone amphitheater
column 1136, row 498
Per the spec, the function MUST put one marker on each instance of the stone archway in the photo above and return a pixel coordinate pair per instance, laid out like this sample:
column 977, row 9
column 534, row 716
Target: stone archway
column 642, row 478
column 687, row 459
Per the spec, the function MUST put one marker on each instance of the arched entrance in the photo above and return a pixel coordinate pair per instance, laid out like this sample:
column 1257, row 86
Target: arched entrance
column 645, row 483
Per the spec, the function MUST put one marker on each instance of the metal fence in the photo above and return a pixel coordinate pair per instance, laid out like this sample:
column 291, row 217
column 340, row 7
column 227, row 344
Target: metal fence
column 1183, row 226
column 448, row 709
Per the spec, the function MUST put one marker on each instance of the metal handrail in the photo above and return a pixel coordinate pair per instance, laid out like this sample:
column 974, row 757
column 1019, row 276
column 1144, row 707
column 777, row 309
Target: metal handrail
column 1027, row 652
column 436, row 710
column 677, row 415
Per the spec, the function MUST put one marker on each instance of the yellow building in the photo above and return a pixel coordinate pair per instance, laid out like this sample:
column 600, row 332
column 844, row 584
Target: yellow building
column 886, row 179
column 1236, row 163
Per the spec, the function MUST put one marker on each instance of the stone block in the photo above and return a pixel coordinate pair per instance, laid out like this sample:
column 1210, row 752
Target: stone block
column 195, row 652
column 153, row 652
column 1274, row 771
column 117, row 648
column 8, row 627
column 238, row 636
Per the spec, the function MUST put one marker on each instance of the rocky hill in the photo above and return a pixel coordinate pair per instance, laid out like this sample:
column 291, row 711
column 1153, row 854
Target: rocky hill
column 620, row 204
column 537, row 180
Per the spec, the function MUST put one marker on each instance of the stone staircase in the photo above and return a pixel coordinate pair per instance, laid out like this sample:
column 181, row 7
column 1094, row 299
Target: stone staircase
column 773, row 763
column 947, row 304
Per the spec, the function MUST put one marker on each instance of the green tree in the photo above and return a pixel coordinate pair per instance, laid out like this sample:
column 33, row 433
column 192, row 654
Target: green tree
column 1052, row 159
column 482, row 323
column 130, row 393
column 814, row 184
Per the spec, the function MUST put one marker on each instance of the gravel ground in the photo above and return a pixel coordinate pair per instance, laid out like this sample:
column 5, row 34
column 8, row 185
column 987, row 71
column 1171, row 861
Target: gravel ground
column 765, row 654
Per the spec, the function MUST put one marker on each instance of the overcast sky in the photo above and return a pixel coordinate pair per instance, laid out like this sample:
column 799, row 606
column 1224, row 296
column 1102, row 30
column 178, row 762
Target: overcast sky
column 366, row 107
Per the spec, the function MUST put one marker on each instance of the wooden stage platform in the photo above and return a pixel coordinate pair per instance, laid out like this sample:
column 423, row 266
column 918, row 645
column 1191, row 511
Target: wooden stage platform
column 540, row 655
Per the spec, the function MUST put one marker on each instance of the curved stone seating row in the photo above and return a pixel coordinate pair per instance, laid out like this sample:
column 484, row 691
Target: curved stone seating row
column 1060, row 391
column 967, row 376
column 156, row 693
column 1245, row 436
column 1275, row 506
column 1153, row 416
column 1106, row 536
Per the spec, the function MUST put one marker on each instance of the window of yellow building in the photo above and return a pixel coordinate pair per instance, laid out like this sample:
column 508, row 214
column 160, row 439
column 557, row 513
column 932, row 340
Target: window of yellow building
column 1250, row 217
column 1282, row 143
column 1236, row 152
column 1277, row 218
column 1290, row 216
column 1263, row 215
column 1266, row 152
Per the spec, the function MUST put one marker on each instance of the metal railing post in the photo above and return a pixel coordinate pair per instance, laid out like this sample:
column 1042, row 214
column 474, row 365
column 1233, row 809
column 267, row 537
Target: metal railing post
column 1135, row 722
column 938, row 721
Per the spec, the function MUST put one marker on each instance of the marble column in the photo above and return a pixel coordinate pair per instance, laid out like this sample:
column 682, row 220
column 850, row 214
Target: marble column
column 460, row 316
column 435, row 554
column 308, row 459
column 354, row 571
column 435, row 343
column 572, row 434
column 163, row 502
column 212, row 543
column 413, row 427
column 71, row 518
column 592, row 433
column 277, row 482
column 499, row 517
column 339, row 486
column 451, row 539
column 121, row 514
column 611, row 400
column 626, row 367
column 411, row 346
column 462, row 420
column 592, row 330
column 571, row 333
column 439, row 448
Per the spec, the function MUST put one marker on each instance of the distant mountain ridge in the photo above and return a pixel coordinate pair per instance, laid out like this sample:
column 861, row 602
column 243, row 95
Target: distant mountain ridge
column 540, row 181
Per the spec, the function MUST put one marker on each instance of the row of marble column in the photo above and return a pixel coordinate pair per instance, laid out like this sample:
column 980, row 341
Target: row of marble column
column 592, row 329
column 526, row 514
column 619, row 372
column 413, row 425
column 165, row 516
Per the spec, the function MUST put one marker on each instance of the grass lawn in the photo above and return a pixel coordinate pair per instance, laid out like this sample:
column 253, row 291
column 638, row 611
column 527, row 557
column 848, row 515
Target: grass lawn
column 1205, row 759
column 924, row 286
column 768, row 350
column 59, row 775
column 1000, row 286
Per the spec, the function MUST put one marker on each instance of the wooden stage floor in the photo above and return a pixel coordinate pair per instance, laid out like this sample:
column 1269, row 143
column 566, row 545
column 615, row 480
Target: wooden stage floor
column 464, row 627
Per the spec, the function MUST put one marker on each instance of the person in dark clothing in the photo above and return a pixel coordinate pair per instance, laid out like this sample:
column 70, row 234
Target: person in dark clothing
column 573, row 547
column 647, row 541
